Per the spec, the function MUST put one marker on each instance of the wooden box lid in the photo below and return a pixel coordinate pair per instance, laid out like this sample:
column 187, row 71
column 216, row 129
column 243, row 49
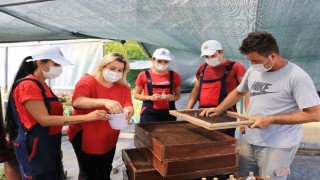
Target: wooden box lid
column 181, row 140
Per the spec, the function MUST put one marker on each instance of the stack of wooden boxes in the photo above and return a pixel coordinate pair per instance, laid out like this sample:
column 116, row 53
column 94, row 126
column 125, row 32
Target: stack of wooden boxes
column 179, row 150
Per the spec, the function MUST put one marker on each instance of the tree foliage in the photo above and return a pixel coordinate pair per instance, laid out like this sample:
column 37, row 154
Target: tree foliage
column 130, row 49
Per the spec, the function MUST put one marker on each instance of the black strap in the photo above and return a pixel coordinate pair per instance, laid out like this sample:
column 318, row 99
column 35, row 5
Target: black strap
column 12, row 103
column 149, row 83
column 172, row 103
column 201, row 81
column 223, row 89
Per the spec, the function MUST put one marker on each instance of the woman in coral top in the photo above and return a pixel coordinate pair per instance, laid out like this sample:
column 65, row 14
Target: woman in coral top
column 106, row 89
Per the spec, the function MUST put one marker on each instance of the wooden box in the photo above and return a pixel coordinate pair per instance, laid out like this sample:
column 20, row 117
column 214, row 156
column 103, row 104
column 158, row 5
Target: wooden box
column 180, row 140
column 139, row 168
column 199, row 166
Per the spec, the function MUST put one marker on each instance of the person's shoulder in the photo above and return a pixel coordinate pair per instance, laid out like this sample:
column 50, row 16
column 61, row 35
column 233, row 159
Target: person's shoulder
column 294, row 66
column 176, row 73
column 142, row 74
column 235, row 63
column 201, row 65
column 296, row 70
column 87, row 78
column 29, row 82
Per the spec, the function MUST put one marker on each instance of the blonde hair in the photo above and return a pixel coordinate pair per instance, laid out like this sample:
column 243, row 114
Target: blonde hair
column 107, row 59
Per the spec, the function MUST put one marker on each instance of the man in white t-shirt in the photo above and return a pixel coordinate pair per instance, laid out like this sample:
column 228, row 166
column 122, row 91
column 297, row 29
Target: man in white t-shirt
column 282, row 96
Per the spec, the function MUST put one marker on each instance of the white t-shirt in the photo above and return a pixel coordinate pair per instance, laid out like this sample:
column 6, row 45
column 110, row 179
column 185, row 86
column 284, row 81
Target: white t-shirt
column 287, row 90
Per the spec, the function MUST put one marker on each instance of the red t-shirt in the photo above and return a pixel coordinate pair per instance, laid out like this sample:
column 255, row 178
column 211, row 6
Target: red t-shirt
column 97, row 136
column 237, row 71
column 158, row 79
column 25, row 91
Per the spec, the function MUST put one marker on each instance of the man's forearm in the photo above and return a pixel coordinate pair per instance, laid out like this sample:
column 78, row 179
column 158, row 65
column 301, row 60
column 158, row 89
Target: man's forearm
column 231, row 99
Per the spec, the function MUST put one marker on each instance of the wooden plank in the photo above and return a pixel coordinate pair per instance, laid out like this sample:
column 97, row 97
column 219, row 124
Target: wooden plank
column 198, row 120
column 237, row 115
column 181, row 139
column 222, row 164
column 139, row 168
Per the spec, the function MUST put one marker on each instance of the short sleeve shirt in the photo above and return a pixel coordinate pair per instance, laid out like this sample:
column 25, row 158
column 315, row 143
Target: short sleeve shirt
column 287, row 90
column 25, row 91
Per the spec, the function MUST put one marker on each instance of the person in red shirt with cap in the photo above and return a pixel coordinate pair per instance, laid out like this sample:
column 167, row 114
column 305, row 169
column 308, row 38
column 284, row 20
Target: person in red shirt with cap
column 35, row 118
column 95, row 142
column 161, row 89
column 215, row 78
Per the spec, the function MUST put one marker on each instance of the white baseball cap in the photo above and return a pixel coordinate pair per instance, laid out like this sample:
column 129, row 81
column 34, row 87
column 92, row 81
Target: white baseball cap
column 50, row 52
column 162, row 53
column 209, row 47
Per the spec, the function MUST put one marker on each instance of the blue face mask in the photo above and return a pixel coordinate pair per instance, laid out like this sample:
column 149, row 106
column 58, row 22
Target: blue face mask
column 260, row 67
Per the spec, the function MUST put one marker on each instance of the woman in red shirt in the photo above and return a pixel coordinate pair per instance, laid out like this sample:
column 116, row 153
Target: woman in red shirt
column 35, row 116
column 161, row 89
column 94, row 142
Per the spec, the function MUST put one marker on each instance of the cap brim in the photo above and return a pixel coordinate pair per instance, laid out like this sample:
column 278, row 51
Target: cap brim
column 208, row 52
column 163, row 57
column 57, row 59
column 62, row 61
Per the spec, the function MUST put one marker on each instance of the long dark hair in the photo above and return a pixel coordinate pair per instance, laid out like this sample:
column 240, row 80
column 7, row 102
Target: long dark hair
column 25, row 69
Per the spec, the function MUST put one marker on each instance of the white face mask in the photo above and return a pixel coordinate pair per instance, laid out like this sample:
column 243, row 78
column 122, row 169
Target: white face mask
column 212, row 61
column 260, row 67
column 160, row 67
column 53, row 72
column 111, row 76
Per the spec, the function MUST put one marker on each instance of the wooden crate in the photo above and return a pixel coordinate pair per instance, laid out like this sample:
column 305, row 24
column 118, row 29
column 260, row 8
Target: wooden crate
column 182, row 140
column 225, row 121
column 139, row 168
column 219, row 164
